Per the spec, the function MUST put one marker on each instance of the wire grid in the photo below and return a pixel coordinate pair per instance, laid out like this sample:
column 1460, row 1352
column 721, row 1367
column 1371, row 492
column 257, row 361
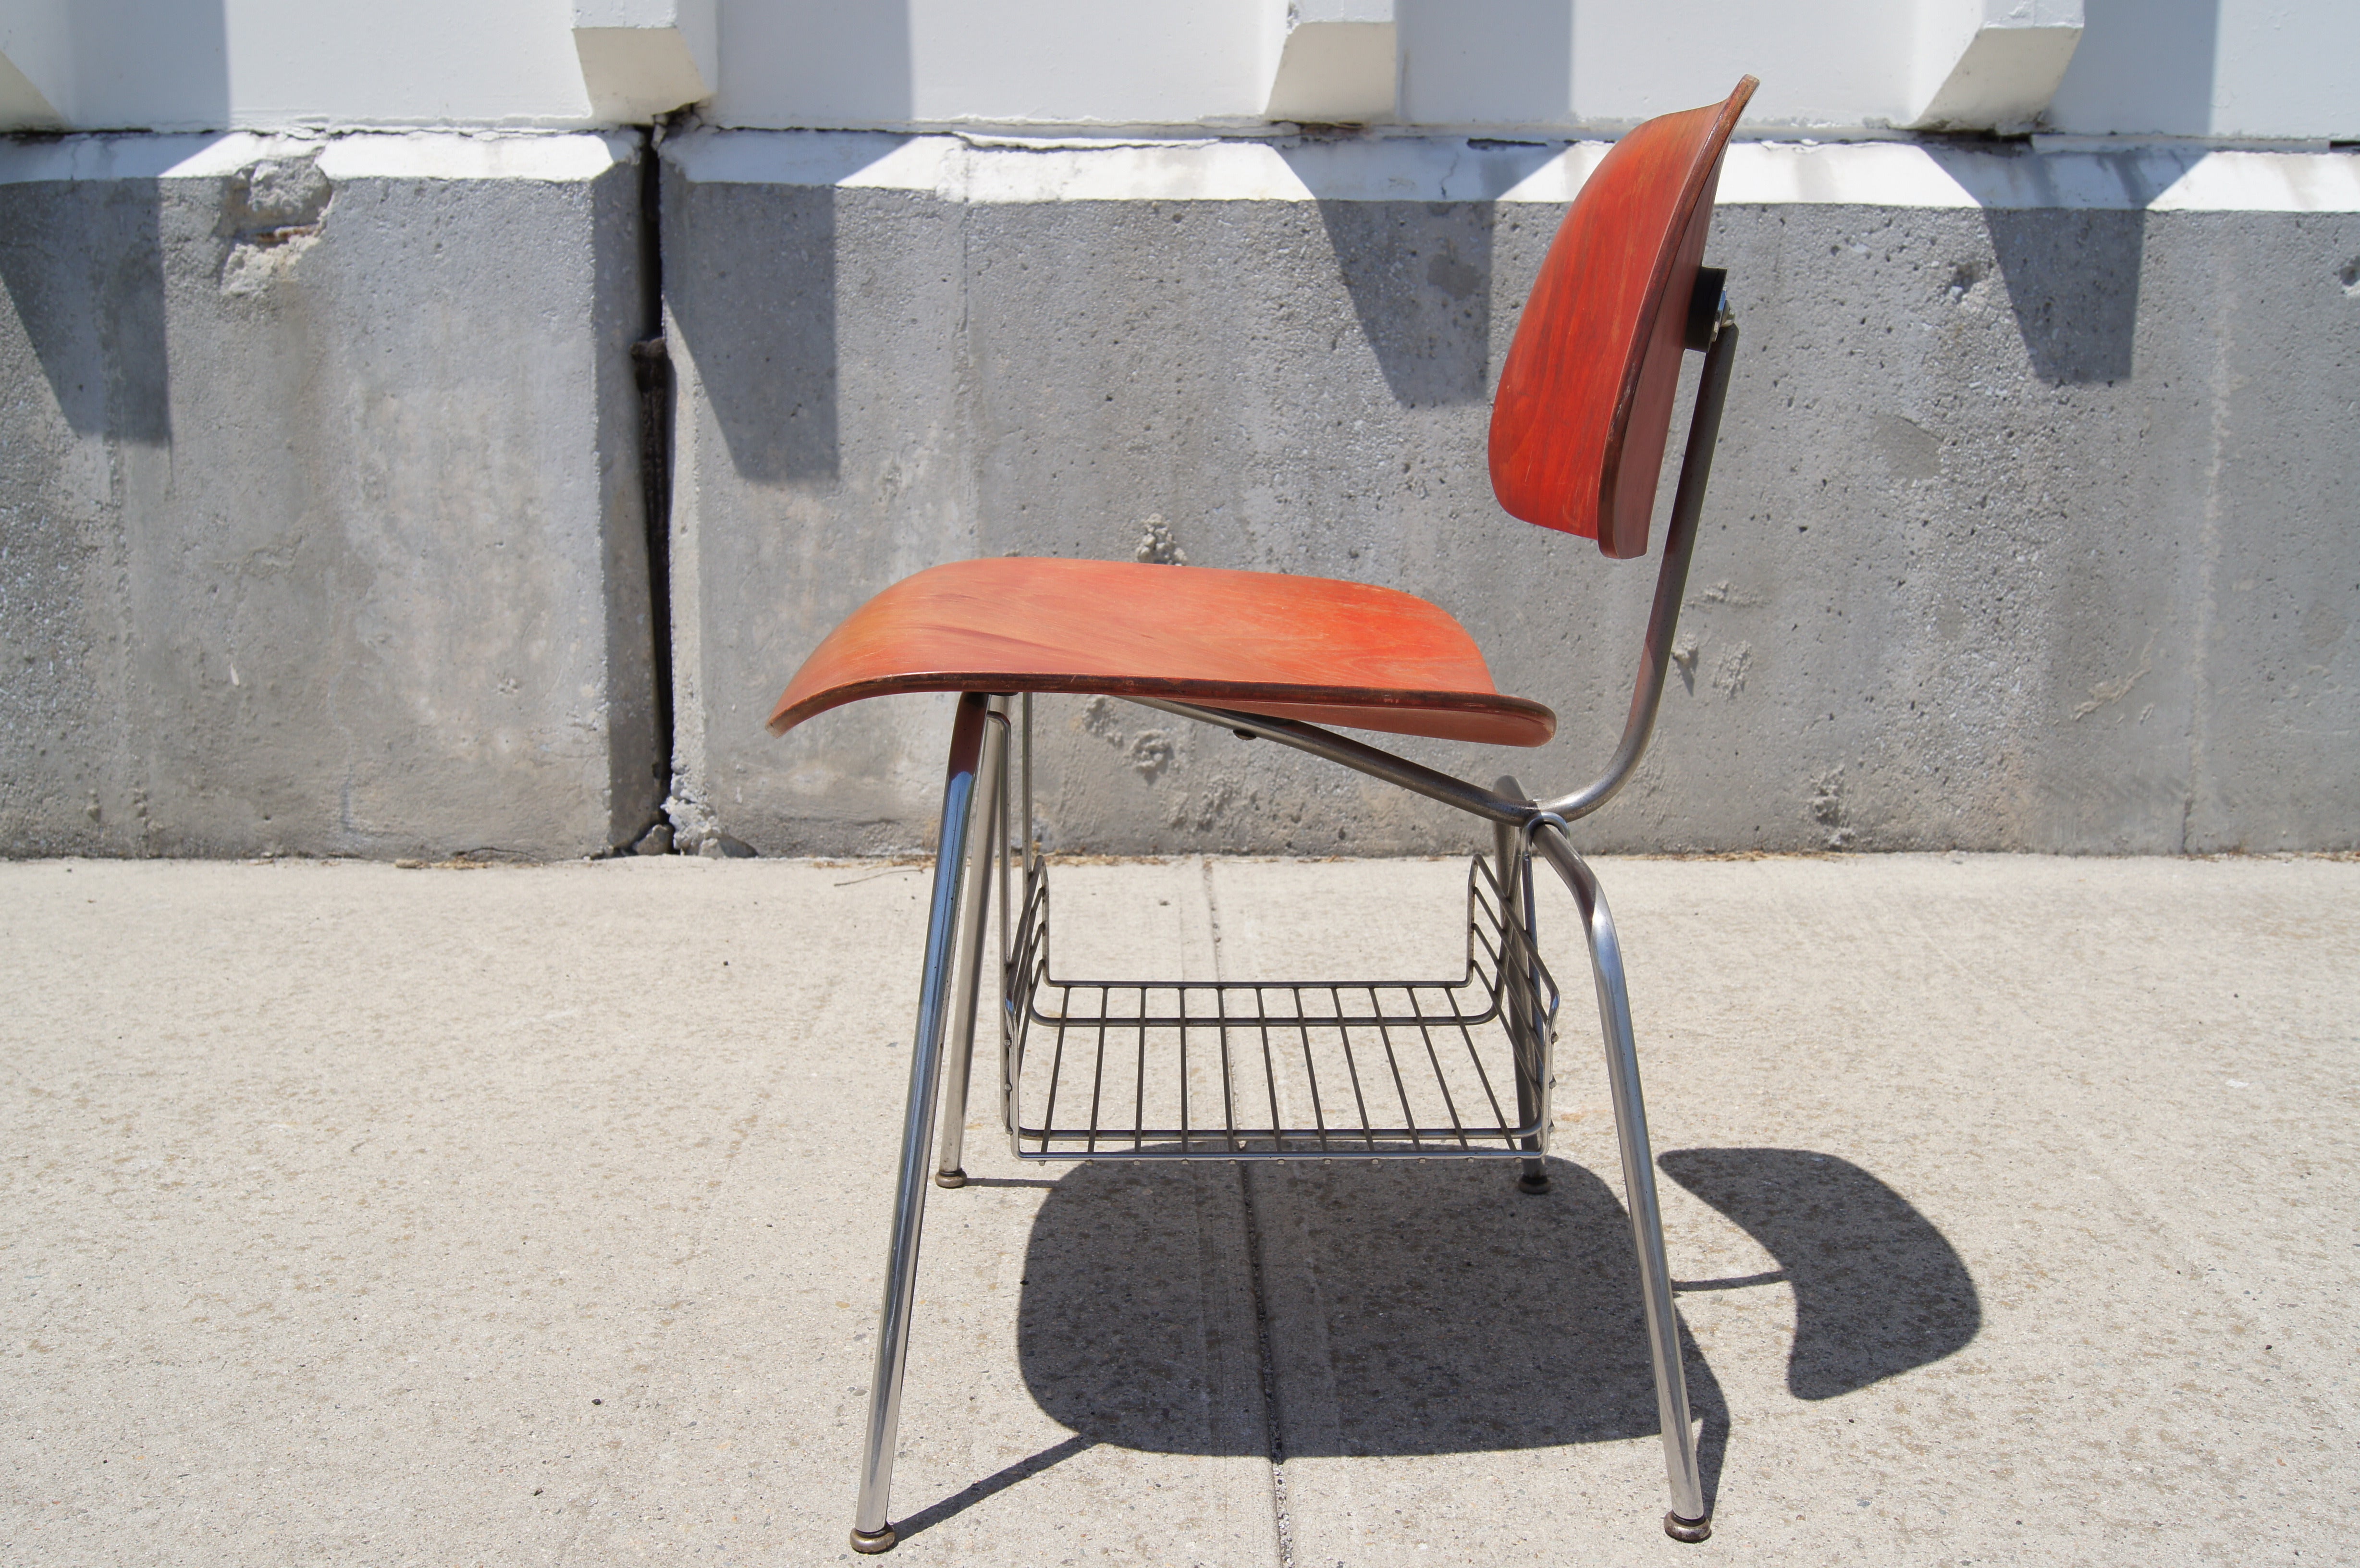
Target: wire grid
column 1218, row 1070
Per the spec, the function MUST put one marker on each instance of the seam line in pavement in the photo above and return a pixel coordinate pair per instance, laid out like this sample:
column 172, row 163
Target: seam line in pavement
column 1273, row 1439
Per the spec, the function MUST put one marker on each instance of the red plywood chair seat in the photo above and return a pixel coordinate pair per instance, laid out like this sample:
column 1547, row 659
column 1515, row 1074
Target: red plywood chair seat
column 1295, row 648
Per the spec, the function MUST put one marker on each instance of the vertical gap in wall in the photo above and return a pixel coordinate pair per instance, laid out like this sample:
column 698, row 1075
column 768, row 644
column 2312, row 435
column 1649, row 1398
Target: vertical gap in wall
column 652, row 362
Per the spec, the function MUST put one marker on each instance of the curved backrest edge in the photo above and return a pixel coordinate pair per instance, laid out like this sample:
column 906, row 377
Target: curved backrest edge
column 1582, row 412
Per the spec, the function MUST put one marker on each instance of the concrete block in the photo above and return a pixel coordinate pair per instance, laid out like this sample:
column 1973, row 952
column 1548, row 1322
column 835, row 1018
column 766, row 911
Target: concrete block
column 1992, row 64
column 645, row 57
column 1339, row 64
column 2029, row 529
column 23, row 103
column 320, row 513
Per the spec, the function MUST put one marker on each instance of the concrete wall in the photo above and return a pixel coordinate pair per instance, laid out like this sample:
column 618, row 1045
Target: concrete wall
column 2033, row 524
column 320, row 525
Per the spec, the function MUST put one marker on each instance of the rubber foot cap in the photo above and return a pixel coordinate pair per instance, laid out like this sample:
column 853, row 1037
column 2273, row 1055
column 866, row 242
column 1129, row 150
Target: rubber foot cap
column 1532, row 1181
column 1676, row 1527
column 882, row 1541
column 946, row 1179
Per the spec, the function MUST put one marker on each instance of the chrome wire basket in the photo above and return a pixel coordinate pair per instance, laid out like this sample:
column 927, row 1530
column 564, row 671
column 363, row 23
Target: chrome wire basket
column 1265, row 1070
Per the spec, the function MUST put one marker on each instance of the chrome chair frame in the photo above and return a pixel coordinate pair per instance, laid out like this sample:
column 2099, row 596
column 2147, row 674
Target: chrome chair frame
column 969, row 861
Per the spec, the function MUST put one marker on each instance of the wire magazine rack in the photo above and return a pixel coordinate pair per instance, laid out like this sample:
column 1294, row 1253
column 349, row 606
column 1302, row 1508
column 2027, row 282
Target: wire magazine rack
column 1451, row 1068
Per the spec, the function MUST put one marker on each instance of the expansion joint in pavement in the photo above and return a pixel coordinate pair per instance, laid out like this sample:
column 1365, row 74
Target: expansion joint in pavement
column 1274, row 1438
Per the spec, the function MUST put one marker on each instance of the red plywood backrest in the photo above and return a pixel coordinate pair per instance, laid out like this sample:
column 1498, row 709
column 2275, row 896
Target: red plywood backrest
column 1585, row 400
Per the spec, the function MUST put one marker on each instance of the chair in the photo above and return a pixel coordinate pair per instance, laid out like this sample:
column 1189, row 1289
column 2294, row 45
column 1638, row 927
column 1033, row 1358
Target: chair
column 1453, row 1068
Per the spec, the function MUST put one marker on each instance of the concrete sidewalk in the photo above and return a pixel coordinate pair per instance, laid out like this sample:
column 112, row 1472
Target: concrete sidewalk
column 363, row 1215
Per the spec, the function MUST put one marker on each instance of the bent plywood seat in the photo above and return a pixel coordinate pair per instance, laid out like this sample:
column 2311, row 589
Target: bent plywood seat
column 1295, row 648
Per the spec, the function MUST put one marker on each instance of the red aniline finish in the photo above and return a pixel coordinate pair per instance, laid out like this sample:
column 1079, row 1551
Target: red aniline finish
column 1585, row 400
column 1298, row 648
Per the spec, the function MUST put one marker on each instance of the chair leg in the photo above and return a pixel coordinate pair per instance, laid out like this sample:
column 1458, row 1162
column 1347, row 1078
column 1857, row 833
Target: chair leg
column 1688, row 1518
column 1515, row 976
column 871, row 1532
column 975, row 903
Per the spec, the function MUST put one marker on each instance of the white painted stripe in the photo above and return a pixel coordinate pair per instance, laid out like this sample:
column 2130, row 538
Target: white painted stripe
column 97, row 157
column 1873, row 174
column 226, row 155
column 427, row 155
column 2265, row 182
column 1864, row 174
column 561, row 158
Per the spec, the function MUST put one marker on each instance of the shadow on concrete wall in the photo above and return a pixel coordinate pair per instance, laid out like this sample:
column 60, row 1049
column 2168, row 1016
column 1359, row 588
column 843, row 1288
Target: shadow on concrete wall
column 81, row 260
column 2073, row 272
column 2069, row 239
column 1419, row 273
column 761, row 326
column 85, row 270
column 2072, row 278
column 1878, row 1290
column 1420, row 278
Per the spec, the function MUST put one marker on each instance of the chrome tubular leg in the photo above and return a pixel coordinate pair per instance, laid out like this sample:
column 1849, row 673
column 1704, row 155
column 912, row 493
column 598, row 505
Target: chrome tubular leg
column 1024, row 818
column 1517, row 1011
column 975, row 900
column 1688, row 1518
column 870, row 1530
column 1004, row 864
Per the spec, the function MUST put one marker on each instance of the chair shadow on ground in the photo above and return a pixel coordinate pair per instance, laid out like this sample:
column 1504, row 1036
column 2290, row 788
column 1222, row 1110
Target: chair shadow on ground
column 1878, row 1290
column 1450, row 1313
column 1457, row 1313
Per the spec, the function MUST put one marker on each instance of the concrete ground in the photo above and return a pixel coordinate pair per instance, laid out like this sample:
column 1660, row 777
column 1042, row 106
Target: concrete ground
column 356, row 1215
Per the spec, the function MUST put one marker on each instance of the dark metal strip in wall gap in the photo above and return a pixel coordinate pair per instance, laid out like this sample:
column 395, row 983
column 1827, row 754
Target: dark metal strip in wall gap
column 651, row 366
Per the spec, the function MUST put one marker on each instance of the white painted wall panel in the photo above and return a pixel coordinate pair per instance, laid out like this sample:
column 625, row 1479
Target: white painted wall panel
column 813, row 63
column 1823, row 63
column 2229, row 69
column 131, row 64
column 1088, row 62
column 421, row 62
column 2268, row 69
column 1486, row 63
column 2288, row 68
column 1075, row 62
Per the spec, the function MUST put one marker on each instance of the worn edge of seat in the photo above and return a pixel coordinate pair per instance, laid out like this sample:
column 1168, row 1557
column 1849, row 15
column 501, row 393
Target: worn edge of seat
column 1249, row 696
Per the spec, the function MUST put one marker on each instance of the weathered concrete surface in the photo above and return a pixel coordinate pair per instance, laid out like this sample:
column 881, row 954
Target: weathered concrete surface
column 536, row 1215
column 2030, row 528
column 321, row 526
column 320, row 518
